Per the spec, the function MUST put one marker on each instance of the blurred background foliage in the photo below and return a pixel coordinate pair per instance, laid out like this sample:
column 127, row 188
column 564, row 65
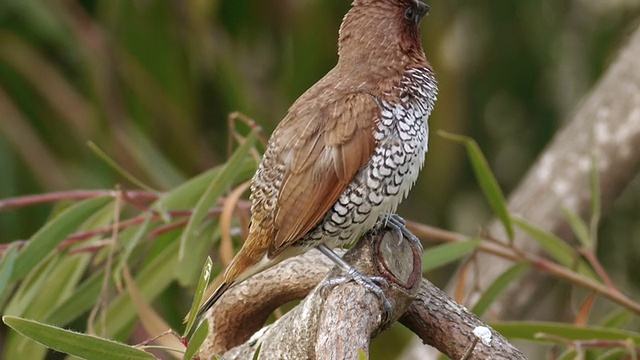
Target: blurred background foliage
column 152, row 83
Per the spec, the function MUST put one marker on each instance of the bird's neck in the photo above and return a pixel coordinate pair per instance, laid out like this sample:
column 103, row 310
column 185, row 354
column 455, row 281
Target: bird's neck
column 364, row 69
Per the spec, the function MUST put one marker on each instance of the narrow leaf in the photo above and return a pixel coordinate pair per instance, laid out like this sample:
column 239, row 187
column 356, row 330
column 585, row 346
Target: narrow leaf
column 205, row 275
column 31, row 287
column 53, row 233
column 362, row 355
column 189, row 271
column 197, row 340
column 256, row 354
column 70, row 342
column 498, row 287
column 531, row 330
column 6, row 266
column 617, row 319
column 218, row 185
column 186, row 196
column 579, row 227
column 151, row 321
column 126, row 174
column 559, row 250
column 443, row 254
column 486, row 179
column 151, row 280
column 80, row 301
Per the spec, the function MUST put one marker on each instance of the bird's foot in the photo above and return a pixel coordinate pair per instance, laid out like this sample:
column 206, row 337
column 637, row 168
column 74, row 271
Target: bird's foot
column 367, row 282
column 398, row 225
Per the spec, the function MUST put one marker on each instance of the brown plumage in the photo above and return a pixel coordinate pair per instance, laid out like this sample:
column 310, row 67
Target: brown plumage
column 349, row 149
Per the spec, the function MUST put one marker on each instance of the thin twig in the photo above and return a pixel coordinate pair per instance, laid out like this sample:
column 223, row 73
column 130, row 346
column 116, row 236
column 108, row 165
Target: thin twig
column 21, row 201
column 502, row 249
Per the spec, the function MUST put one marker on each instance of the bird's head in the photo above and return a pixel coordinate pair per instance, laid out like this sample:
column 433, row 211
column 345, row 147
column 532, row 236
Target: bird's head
column 382, row 32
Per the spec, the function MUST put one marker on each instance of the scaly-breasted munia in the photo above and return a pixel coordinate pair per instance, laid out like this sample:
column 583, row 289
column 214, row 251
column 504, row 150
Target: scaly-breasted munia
column 349, row 149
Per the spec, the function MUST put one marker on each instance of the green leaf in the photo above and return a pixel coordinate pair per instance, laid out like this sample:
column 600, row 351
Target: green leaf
column 205, row 275
column 222, row 181
column 123, row 172
column 128, row 240
column 6, row 266
column 152, row 280
column 80, row 301
column 186, row 196
column 256, row 354
column 189, row 270
column 149, row 158
column 81, row 345
column 617, row 319
column 559, row 250
column 443, row 254
column 53, row 233
column 615, row 354
column 498, row 286
column 198, row 338
column 31, row 286
column 531, row 331
column 579, row 227
column 569, row 354
column 362, row 355
column 486, row 179
column 60, row 283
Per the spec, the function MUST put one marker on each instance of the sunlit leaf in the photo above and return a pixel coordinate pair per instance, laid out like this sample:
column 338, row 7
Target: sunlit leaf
column 498, row 287
column 443, row 254
column 196, row 341
column 486, row 179
column 205, row 275
column 256, row 354
column 81, row 345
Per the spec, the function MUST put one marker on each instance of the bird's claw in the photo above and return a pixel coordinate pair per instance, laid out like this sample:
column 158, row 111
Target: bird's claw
column 398, row 226
column 369, row 283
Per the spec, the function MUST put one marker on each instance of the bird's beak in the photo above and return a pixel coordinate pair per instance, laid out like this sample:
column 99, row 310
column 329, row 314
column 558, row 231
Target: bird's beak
column 423, row 9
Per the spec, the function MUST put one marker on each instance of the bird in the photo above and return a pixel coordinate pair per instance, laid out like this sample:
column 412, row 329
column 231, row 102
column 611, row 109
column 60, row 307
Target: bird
column 348, row 150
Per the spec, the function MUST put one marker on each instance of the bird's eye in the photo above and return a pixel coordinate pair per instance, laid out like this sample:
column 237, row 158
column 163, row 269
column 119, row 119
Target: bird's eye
column 410, row 13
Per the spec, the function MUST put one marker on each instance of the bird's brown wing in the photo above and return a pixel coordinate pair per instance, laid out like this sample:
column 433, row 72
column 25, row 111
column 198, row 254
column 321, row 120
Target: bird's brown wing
column 324, row 154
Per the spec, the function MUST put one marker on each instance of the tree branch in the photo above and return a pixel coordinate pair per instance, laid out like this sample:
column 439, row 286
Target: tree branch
column 338, row 322
column 606, row 124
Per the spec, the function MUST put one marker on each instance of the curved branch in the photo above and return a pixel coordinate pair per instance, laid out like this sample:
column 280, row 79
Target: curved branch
column 444, row 324
column 337, row 322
